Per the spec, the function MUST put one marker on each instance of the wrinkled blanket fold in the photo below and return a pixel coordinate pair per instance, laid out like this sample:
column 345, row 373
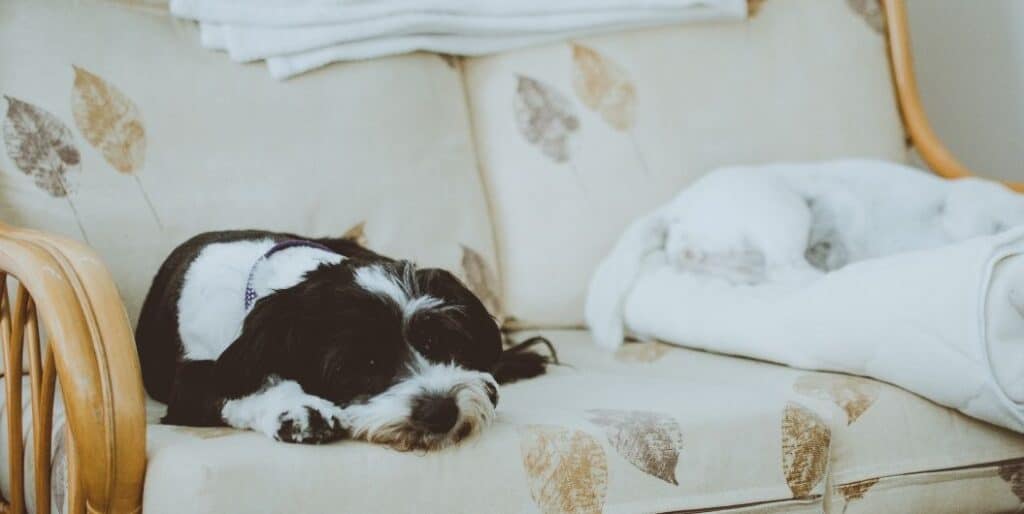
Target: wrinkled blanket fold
column 945, row 321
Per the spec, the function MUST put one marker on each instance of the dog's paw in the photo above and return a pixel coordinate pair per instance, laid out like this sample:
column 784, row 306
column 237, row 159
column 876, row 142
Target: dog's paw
column 316, row 423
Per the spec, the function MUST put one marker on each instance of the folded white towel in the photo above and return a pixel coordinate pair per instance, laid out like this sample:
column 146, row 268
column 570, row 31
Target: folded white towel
column 246, row 43
column 911, row 280
column 296, row 36
column 285, row 13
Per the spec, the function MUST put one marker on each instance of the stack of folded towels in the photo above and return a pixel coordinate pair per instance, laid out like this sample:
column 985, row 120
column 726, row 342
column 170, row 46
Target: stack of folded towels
column 295, row 36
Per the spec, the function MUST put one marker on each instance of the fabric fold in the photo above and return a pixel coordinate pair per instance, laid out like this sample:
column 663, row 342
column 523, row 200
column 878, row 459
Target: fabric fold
column 920, row 320
column 944, row 320
column 294, row 37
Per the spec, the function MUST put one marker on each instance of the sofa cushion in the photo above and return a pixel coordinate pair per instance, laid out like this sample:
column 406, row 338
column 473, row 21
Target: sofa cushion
column 652, row 428
column 158, row 139
column 577, row 139
column 987, row 488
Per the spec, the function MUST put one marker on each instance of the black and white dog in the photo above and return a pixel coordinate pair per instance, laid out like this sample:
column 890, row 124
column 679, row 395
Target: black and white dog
column 312, row 340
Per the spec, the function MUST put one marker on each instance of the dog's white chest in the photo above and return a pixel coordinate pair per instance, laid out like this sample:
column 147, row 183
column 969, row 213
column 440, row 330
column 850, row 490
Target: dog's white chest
column 211, row 308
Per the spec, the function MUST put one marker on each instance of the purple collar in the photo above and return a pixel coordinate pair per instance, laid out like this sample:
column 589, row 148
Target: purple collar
column 250, row 291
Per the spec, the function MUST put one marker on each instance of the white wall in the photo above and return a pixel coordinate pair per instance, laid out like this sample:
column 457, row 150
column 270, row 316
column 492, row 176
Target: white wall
column 969, row 58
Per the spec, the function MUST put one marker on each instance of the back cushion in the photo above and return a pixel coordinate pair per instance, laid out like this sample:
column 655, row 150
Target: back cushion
column 144, row 139
column 577, row 139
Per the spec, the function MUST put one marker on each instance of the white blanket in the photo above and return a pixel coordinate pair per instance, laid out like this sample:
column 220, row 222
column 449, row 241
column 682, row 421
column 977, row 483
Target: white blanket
column 295, row 36
column 861, row 267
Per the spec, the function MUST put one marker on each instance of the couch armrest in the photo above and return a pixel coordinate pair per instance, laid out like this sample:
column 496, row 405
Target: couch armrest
column 92, row 353
column 919, row 130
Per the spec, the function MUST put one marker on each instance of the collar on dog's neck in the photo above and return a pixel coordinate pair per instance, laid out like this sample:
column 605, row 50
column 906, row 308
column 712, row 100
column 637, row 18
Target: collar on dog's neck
column 250, row 290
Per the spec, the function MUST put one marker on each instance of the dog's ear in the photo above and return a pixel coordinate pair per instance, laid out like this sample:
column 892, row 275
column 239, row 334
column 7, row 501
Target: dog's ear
column 520, row 361
column 259, row 351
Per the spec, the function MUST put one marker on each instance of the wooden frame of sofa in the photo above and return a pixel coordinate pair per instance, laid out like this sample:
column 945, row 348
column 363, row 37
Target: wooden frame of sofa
column 91, row 349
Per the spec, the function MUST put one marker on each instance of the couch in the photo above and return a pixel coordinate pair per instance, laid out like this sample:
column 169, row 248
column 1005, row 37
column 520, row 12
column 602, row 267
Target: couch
column 123, row 138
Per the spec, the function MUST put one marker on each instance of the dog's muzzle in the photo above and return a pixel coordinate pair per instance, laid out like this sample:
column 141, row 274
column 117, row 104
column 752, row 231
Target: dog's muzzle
column 429, row 411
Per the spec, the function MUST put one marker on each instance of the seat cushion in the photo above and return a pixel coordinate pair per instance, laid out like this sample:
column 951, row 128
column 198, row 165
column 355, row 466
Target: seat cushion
column 131, row 137
column 577, row 139
column 651, row 428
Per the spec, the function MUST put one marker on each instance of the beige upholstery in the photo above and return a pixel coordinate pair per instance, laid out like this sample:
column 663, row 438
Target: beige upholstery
column 532, row 160
column 628, row 119
column 636, row 420
column 652, row 428
column 221, row 146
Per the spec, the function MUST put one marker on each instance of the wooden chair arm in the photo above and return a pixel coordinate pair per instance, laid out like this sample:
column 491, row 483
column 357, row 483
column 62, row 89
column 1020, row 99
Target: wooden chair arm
column 94, row 354
column 920, row 131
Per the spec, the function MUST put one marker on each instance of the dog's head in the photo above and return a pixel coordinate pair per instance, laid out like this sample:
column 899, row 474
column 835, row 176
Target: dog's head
column 407, row 352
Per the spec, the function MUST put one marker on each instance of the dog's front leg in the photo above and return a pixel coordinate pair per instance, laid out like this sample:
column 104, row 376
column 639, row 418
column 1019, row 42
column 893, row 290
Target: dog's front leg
column 283, row 411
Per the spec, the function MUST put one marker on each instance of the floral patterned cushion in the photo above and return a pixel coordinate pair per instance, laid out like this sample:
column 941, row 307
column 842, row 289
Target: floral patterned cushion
column 652, row 428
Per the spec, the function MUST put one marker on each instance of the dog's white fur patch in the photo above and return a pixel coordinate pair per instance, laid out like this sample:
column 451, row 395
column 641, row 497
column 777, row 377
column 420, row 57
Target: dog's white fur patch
column 280, row 401
column 400, row 290
column 387, row 417
column 211, row 307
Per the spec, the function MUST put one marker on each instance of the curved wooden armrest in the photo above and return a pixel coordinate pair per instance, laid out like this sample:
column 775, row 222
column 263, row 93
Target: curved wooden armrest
column 928, row 144
column 66, row 285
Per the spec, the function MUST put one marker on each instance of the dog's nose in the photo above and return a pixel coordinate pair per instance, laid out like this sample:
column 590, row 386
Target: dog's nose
column 437, row 414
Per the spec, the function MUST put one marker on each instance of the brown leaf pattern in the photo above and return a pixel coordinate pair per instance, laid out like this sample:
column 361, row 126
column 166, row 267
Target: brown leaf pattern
column 41, row 146
column 854, row 395
column 566, row 469
column 480, row 280
column 451, row 60
column 642, row 352
column 544, row 117
column 109, row 121
column 357, row 233
column 1013, row 474
column 651, row 441
column 602, row 86
column 206, row 432
column 753, row 7
column 856, row 490
column 805, row 447
column 871, row 11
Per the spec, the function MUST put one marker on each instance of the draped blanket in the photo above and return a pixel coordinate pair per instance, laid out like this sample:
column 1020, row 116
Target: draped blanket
column 862, row 267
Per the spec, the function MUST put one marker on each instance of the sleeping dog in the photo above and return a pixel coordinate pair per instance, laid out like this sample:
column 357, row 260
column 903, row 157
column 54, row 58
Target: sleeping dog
column 313, row 340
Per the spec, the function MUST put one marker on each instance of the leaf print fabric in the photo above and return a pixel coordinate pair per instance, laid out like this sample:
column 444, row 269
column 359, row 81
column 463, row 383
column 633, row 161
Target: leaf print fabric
column 480, row 280
column 651, row 441
column 1013, row 474
column 854, row 395
column 603, row 87
column 754, row 7
column 642, row 352
column 805, row 449
column 545, row 118
column 857, row 490
column 111, row 123
column 42, row 147
column 357, row 233
column 871, row 11
column 566, row 469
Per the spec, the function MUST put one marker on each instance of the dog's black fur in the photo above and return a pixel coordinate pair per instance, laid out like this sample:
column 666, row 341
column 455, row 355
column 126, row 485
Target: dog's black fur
column 337, row 340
